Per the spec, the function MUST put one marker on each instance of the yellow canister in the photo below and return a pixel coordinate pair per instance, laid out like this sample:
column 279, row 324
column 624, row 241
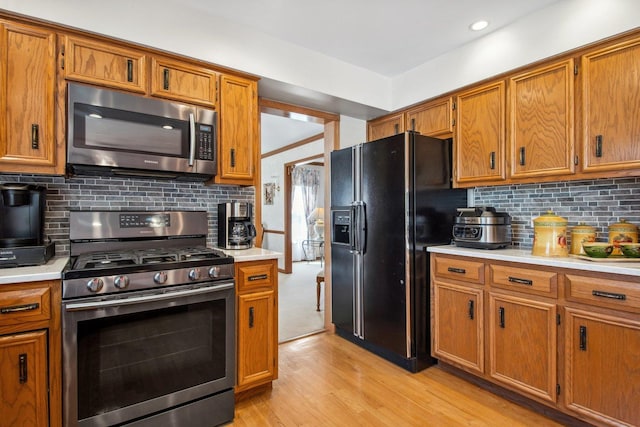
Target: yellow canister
column 622, row 232
column 550, row 235
column 579, row 234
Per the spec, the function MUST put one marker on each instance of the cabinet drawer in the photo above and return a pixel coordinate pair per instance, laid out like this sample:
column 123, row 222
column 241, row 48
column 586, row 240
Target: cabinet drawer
column 460, row 269
column 525, row 280
column 28, row 305
column 254, row 275
column 616, row 294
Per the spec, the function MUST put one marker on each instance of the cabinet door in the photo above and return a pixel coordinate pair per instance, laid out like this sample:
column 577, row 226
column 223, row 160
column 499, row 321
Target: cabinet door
column 385, row 126
column 479, row 148
column 104, row 64
column 23, row 389
column 610, row 105
column 522, row 341
column 541, row 129
column 256, row 338
column 601, row 368
column 183, row 82
column 457, row 325
column 27, row 102
column 431, row 119
column 238, row 144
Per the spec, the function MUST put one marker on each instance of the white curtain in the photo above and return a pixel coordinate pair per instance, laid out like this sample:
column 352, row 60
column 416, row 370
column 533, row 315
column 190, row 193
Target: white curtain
column 306, row 183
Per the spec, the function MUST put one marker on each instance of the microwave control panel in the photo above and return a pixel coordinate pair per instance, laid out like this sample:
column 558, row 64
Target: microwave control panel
column 205, row 142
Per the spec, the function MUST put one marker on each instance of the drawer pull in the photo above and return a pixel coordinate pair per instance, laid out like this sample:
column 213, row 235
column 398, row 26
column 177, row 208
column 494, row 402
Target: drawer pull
column 257, row 277
column 19, row 308
column 611, row 295
column 520, row 281
column 501, row 315
column 583, row 338
column 471, row 310
column 22, row 367
column 456, row 270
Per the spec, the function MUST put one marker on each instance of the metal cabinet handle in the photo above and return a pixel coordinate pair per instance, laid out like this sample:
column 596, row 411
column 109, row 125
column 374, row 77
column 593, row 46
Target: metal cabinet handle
column 251, row 316
column 166, row 79
column 396, row 128
column 471, row 309
column 520, row 281
column 129, row 70
column 413, row 124
column 22, row 368
column 611, row 295
column 257, row 277
column 583, row 338
column 522, row 156
column 501, row 315
column 233, row 157
column 456, row 270
column 598, row 145
column 19, row 308
column 35, row 136
column 492, row 160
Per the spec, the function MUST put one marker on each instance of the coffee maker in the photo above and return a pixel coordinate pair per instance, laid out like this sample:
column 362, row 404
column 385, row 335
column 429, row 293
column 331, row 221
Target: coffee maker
column 22, row 241
column 235, row 229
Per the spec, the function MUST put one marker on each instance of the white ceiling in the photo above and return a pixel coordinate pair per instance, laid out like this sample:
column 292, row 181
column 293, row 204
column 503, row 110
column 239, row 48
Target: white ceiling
column 388, row 37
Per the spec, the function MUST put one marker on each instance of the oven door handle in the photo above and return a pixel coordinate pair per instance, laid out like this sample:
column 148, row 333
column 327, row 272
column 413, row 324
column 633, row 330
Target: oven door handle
column 79, row 306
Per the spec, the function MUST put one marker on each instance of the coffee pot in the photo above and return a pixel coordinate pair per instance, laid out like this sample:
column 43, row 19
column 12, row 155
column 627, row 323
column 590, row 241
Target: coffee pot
column 235, row 229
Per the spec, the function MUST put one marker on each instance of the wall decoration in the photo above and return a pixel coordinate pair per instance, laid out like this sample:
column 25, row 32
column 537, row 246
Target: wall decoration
column 269, row 192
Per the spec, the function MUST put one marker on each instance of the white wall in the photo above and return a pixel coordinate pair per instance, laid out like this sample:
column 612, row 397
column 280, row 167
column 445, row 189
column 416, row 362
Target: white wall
column 352, row 131
column 273, row 171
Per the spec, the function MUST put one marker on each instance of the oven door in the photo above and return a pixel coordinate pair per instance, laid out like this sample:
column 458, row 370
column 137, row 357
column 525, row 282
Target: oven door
column 127, row 358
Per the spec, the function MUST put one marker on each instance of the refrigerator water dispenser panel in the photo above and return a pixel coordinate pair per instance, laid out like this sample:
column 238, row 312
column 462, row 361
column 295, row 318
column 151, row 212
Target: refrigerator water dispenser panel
column 340, row 225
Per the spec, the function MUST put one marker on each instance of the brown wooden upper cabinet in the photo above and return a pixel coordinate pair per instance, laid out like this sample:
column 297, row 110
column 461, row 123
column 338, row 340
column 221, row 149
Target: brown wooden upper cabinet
column 385, row 126
column 479, row 145
column 610, row 104
column 183, row 82
column 431, row 119
column 238, row 139
column 104, row 64
column 541, row 131
column 27, row 101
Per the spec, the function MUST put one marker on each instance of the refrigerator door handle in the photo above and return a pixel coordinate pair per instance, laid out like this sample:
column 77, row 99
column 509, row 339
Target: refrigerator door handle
column 362, row 228
column 353, row 225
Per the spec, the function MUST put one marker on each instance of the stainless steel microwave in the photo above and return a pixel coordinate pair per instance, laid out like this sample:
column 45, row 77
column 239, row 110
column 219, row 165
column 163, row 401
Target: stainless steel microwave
column 114, row 133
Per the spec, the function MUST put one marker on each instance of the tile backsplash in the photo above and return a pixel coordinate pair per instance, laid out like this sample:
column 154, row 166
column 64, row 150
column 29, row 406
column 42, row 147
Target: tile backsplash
column 595, row 202
column 97, row 193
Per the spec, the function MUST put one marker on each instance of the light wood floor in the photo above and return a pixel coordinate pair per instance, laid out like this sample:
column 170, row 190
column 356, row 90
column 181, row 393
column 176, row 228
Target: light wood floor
column 327, row 381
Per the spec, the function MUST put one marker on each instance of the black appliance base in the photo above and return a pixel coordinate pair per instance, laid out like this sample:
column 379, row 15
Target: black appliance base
column 412, row 364
column 25, row 256
column 209, row 411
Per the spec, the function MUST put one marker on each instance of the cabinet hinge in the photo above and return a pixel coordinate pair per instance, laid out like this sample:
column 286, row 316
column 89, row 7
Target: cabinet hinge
column 558, row 389
column 575, row 69
column 453, row 105
column 558, row 319
column 216, row 101
column 576, row 160
column 62, row 64
column 453, row 122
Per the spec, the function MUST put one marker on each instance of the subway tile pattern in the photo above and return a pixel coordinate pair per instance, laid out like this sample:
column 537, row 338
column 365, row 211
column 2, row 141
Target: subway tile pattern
column 595, row 202
column 97, row 193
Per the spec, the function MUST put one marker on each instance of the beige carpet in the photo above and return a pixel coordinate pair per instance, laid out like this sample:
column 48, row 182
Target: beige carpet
column 297, row 315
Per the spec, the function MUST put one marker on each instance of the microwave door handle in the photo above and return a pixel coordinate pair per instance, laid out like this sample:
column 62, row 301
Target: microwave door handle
column 192, row 139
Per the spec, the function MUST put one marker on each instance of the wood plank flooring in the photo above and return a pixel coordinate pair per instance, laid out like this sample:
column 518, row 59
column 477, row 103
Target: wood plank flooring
column 328, row 381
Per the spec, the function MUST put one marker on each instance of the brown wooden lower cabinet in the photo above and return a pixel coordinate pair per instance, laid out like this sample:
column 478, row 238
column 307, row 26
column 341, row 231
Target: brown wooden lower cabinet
column 30, row 358
column 566, row 339
column 257, row 323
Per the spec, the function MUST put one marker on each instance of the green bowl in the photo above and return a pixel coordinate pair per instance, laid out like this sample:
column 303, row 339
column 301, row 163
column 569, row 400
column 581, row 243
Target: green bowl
column 597, row 249
column 631, row 250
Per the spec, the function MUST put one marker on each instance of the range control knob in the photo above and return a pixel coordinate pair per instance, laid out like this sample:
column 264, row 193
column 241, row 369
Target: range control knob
column 214, row 272
column 194, row 274
column 160, row 277
column 121, row 282
column 94, row 285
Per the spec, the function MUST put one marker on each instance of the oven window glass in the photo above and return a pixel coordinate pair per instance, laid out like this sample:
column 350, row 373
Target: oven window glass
column 132, row 358
column 111, row 129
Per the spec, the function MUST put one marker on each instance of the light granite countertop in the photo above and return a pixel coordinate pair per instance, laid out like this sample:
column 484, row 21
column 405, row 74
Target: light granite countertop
column 251, row 254
column 631, row 268
column 52, row 270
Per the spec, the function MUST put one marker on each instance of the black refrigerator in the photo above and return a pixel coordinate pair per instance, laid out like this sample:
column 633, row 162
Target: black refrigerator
column 390, row 199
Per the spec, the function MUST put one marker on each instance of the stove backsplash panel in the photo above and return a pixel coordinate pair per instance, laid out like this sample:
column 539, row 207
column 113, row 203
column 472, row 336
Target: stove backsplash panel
column 595, row 202
column 96, row 193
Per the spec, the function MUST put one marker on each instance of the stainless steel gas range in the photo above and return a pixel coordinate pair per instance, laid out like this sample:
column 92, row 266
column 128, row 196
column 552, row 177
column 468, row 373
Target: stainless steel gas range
column 148, row 315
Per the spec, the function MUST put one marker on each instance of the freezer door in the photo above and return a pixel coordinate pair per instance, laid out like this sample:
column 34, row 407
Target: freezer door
column 384, row 190
column 342, row 171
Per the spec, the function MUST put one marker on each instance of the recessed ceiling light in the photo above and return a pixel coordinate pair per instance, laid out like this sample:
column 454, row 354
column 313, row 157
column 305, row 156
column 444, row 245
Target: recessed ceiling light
column 479, row 25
